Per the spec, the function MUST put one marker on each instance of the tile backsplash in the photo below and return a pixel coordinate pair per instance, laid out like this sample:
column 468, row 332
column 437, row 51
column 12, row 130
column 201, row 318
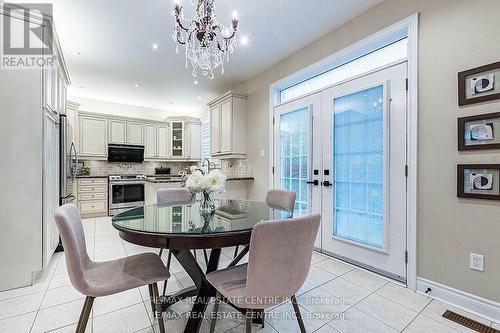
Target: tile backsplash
column 103, row 168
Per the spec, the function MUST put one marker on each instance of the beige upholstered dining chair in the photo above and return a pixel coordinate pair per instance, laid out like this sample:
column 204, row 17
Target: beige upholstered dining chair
column 278, row 264
column 278, row 199
column 96, row 279
column 281, row 199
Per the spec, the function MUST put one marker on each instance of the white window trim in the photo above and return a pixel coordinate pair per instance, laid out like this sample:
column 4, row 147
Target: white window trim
column 411, row 24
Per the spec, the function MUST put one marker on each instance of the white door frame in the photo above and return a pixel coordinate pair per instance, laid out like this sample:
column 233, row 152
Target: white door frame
column 411, row 24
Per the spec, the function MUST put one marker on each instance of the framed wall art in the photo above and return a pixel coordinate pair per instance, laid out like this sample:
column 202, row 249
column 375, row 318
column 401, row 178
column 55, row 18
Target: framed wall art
column 479, row 84
column 479, row 132
column 478, row 181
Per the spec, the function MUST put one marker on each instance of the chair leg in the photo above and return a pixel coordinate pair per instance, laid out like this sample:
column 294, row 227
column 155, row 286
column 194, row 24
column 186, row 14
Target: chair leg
column 206, row 256
column 84, row 315
column 297, row 314
column 248, row 321
column 169, row 259
column 237, row 247
column 157, row 306
column 215, row 312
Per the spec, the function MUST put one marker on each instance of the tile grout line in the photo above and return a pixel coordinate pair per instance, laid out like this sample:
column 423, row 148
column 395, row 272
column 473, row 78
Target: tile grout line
column 362, row 299
column 418, row 314
column 44, row 294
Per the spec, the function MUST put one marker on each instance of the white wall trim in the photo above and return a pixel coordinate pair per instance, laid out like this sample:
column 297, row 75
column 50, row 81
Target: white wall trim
column 411, row 23
column 474, row 304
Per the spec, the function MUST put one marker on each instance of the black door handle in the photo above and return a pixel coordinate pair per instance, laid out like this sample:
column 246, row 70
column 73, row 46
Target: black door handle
column 314, row 182
column 326, row 183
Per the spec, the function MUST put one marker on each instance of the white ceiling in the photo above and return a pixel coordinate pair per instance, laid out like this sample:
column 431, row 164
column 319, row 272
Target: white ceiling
column 108, row 46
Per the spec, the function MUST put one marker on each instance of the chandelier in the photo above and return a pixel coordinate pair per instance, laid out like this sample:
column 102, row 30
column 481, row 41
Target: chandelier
column 205, row 40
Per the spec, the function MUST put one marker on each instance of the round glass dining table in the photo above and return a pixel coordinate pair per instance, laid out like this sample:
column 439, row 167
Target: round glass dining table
column 183, row 227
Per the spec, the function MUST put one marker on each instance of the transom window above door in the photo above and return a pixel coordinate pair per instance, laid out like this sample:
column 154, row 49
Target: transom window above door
column 381, row 57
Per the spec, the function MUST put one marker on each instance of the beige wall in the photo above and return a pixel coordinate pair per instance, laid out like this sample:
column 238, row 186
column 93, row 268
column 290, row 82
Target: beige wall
column 449, row 41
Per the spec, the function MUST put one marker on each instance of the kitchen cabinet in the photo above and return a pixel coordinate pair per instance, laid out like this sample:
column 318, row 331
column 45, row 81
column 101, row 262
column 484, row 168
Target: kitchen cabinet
column 117, row 131
column 93, row 197
column 157, row 141
column 193, row 132
column 50, row 195
column 162, row 141
column 29, row 132
column 93, row 137
column 123, row 131
column 135, row 133
column 177, row 139
column 227, row 126
column 171, row 140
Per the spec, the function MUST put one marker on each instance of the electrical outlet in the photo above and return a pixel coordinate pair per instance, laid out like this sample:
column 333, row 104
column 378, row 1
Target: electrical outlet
column 477, row 262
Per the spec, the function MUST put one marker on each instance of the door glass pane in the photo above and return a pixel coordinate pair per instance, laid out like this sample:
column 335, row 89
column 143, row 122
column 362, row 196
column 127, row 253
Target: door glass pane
column 358, row 159
column 295, row 154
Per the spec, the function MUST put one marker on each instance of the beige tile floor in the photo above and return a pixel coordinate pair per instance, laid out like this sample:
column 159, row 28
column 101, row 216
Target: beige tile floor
column 336, row 297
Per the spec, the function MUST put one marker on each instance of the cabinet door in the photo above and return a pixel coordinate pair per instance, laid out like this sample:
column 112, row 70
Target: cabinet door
column 150, row 141
column 134, row 133
column 226, row 126
column 193, row 140
column 163, row 141
column 178, row 139
column 117, row 131
column 93, row 136
column 215, row 130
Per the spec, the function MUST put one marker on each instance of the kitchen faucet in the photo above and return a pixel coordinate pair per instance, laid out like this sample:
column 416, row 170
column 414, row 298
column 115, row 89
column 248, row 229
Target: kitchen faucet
column 208, row 164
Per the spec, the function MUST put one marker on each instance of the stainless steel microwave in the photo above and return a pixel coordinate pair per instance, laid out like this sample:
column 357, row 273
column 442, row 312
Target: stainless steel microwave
column 125, row 153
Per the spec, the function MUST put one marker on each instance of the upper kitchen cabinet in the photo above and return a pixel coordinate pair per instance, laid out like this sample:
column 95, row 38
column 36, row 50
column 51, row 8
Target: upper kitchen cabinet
column 125, row 131
column 156, row 141
column 117, row 131
column 135, row 133
column 93, row 137
column 193, row 133
column 227, row 126
column 178, row 142
column 162, row 141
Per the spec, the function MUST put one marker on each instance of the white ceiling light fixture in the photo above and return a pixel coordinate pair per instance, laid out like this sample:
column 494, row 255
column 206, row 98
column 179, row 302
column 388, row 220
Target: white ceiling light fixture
column 155, row 46
column 137, row 85
column 205, row 40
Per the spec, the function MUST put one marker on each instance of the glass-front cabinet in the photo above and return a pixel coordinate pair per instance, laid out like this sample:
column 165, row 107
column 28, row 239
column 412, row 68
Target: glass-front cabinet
column 177, row 139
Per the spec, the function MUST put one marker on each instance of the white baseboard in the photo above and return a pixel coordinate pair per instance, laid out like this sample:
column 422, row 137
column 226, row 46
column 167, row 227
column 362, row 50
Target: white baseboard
column 474, row 304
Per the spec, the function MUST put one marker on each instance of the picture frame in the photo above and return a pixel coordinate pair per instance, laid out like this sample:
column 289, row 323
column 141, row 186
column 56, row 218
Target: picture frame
column 479, row 132
column 478, row 181
column 479, row 84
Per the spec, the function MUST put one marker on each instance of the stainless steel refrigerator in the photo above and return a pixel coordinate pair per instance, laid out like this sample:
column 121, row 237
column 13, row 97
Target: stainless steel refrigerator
column 68, row 160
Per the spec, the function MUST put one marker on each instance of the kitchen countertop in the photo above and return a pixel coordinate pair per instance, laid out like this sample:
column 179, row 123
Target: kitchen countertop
column 167, row 179
column 90, row 176
column 154, row 179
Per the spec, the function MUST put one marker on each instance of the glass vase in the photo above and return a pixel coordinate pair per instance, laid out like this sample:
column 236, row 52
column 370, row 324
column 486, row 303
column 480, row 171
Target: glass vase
column 207, row 204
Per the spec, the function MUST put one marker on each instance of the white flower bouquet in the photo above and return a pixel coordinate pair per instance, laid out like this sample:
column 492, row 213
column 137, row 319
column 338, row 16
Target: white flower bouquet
column 200, row 180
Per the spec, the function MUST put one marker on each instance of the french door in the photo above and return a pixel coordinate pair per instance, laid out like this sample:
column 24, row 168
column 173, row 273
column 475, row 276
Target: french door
column 351, row 139
column 297, row 145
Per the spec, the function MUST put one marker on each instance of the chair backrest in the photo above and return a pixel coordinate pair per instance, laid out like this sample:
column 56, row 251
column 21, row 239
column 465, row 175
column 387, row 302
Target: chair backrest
column 173, row 196
column 280, row 256
column 281, row 199
column 70, row 227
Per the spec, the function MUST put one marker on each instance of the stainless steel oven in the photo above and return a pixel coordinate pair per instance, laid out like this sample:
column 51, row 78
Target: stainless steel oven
column 125, row 191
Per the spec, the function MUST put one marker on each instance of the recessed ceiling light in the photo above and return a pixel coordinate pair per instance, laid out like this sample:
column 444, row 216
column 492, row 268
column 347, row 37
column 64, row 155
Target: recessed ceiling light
column 137, row 85
column 155, row 46
column 199, row 98
column 244, row 40
column 195, row 82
